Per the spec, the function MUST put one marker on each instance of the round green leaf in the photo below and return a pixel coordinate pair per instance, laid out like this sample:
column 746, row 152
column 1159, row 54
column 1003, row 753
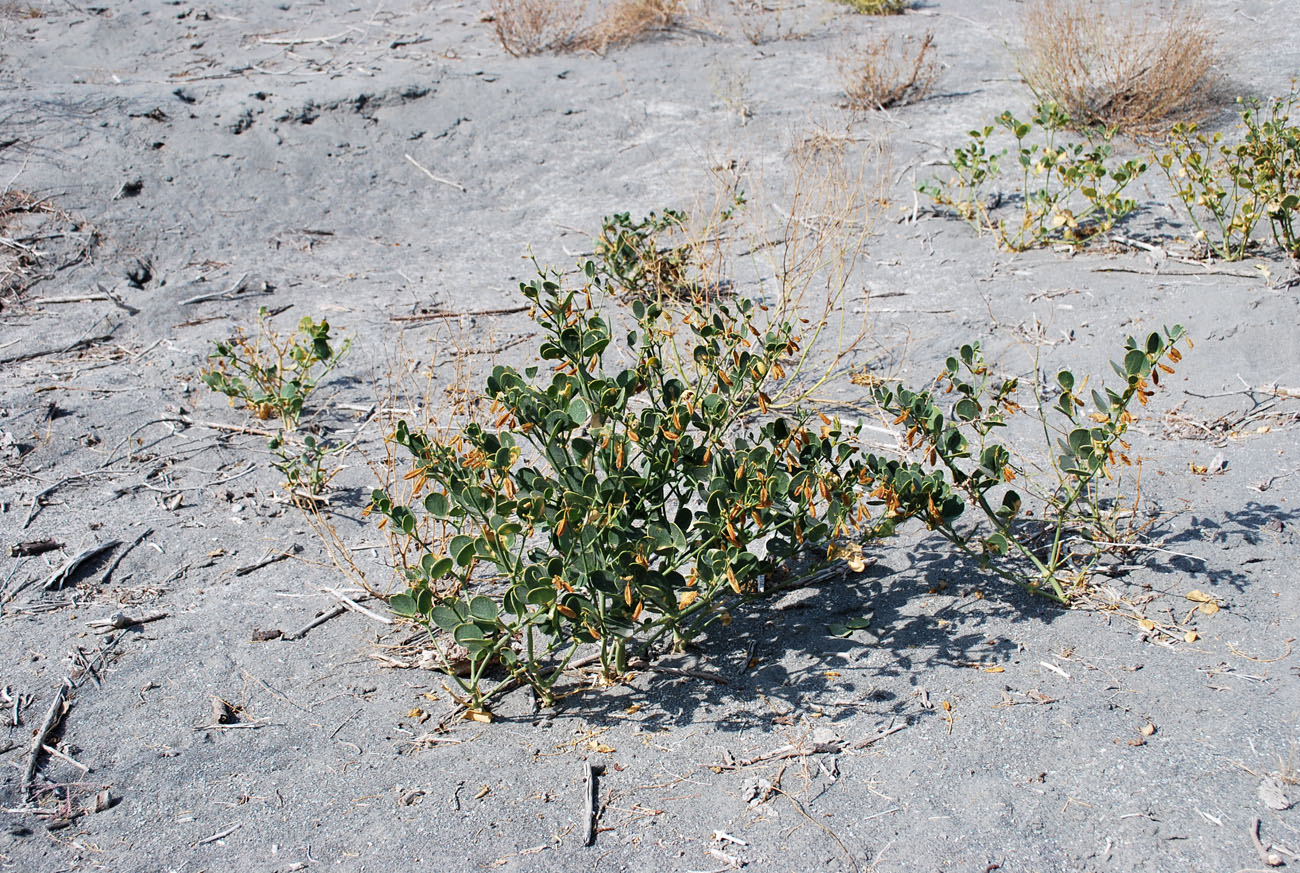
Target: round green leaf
column 483, row 609
column 402, row 604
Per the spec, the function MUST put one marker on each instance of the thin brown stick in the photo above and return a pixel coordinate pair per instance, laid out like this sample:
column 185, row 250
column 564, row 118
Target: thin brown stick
column 108, row 573
column 335, row 612
column 591, row 805
column 1269, row 858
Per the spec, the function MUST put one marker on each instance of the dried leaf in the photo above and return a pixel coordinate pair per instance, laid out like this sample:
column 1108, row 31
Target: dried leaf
column 994, row 670
column 479, row 715
column 1147, row 624
column 1147, row 729
column 1191, row 636
column 634, row 708
column 1209, row 608
column 1196, row 595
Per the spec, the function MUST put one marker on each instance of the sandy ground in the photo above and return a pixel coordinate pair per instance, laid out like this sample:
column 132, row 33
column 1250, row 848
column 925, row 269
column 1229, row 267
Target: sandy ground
column 245, row 154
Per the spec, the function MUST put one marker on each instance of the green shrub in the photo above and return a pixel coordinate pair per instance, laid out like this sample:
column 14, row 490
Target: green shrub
column 616, row 507
column 274, row 375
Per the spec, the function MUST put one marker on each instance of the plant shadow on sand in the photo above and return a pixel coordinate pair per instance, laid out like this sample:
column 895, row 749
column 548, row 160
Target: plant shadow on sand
column 780, row 654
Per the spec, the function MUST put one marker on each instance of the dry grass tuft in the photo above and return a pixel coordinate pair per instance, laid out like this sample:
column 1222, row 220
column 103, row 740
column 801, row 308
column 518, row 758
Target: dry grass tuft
column 530, row 27
column 1138, row 66
column 20, row 10
column 889, row 71
column 630, row 21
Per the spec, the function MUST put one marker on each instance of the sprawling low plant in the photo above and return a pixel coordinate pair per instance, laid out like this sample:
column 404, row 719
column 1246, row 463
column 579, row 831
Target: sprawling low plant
column 1069, row 190
column 1229, row 187
column 616, row 507
column 878, row 7
column 957, row 442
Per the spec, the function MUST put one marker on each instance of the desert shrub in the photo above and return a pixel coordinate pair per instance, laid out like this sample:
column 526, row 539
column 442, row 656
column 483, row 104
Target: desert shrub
column 1136, row 66
column 889, row 71
column 273, row 374
column 1069, row 190
column 878, row 7
column 962, row 464
column 1229, row 187
column 617, row 507
column 530, row 27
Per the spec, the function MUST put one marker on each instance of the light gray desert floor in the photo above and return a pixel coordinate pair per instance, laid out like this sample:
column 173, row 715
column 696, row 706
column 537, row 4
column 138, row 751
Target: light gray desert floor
column 377, row 162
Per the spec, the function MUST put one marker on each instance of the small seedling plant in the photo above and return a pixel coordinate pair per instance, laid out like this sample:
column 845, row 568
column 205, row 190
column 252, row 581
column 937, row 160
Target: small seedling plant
column 618, row 508
column 1229, row 187
column 1069, row 191
column 273, row 375
column 957, row 442
column 655, row 258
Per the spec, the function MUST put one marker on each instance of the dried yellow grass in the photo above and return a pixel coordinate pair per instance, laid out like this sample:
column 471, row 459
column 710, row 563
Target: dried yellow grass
column 629, row 21
column 1138, row 66
column 530, row 27
column 889, row 71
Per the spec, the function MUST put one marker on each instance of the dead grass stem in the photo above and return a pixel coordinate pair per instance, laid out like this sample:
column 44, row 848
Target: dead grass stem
column 1138, row 66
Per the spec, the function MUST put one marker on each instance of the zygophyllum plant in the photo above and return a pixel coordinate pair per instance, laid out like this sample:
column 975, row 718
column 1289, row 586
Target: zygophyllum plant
column 616, row 507
column 273, row 375
column 1229, row 187
column 1069, row 190
column 1049, row 554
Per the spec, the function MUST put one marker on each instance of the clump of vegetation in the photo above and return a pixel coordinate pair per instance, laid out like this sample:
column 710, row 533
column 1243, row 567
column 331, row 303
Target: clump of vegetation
column 1070, row 191
column 629, row 21
column 889, row 72
column 878, row 7
column 530, row 27
column 273, row 375
column 1228, row 188
column 658, row 257
column 622, row 507
column 964, row 465
column 1124, row 65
